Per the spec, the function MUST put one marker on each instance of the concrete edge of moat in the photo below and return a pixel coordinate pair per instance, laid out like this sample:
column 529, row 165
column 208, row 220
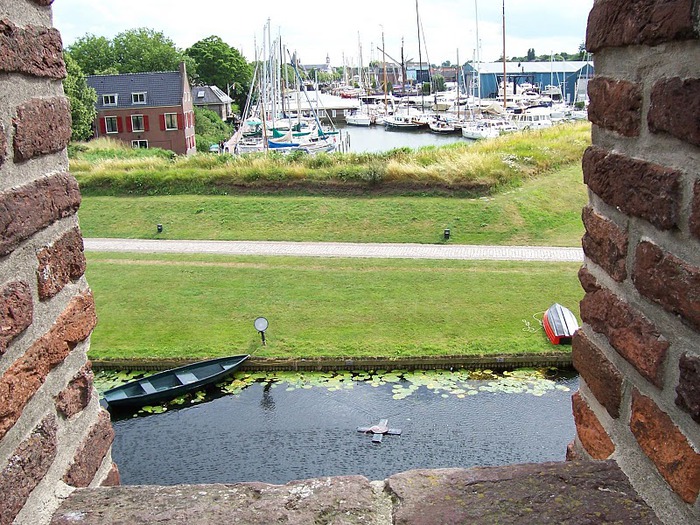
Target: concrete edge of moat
column 328, row 364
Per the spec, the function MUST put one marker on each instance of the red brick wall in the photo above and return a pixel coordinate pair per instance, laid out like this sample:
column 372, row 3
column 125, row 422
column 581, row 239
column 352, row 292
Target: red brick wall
column 638, row 351
column 53, row 434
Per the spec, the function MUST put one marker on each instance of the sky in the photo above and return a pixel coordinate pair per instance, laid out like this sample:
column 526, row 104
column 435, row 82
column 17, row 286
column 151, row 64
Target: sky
column 319, row 28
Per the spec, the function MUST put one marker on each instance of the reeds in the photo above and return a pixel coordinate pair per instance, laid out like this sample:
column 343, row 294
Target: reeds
column 107, row 167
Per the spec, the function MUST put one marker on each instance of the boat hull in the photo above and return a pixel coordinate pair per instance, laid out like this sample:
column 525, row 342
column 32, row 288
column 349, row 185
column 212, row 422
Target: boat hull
column 169, row 384
column 559, row 324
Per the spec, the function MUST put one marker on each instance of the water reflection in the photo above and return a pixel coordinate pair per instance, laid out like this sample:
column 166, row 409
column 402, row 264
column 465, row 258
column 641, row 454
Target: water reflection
column 276, row 430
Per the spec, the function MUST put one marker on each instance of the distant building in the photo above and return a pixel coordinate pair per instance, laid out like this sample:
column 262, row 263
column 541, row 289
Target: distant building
column 571, row 78
column 146, row 110
column 321, row 68
column 213, row 99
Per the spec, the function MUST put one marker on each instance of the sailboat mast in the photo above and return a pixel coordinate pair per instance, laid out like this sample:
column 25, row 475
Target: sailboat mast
column 459, row 86
column 386, row 105
column 505, row 82
column 478, row 56
column 420, row 60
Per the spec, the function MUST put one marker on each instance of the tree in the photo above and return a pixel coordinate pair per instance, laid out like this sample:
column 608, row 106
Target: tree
column 209, row 128
column 82, row 100
column 446, row 63
column 221, row 65
column 132, row 51
column 439, row 82
column 531, row 54
column 93, row 54
column 142, row 50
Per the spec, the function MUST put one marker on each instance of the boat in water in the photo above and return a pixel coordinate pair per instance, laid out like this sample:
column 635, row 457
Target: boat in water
column 559, row 324
column 169, row 384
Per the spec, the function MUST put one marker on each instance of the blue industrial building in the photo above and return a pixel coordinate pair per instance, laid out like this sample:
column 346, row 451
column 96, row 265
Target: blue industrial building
column 570, row 77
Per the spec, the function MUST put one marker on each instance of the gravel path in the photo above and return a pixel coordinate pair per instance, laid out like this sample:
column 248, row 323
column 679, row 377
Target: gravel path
column 340, row 249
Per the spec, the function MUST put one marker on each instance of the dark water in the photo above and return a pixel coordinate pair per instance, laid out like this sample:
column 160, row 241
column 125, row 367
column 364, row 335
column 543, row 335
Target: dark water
column 375, row 139
column 275, row 434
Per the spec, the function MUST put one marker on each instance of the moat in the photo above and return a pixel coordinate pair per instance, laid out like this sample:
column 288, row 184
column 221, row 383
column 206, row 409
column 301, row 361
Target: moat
column 280, row 427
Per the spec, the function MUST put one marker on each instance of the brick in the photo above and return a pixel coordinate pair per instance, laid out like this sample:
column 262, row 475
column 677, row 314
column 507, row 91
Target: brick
column 76, row 396
column 571, row 452
column 602, row 377
column 616, row 23
column 675, row 109
column 16, row 311
column 666, row 446
column 34, row 206
column 60, row 263
column 35, row 51
column 630, row 333
column 42, row 126
column 615, row 105
column 3, row 145
column 90, row 454
column 26, row 467
column 113, row 479
column 588, row 281
column 26, row 375
column 694, row 222
column 688, row 389
column 636, row 187
column 590, row 432
column 605, row 243
column 668, row 281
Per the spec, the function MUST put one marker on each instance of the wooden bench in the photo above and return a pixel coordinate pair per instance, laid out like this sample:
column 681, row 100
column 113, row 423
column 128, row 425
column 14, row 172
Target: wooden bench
column 148, row 387
column 186, row 377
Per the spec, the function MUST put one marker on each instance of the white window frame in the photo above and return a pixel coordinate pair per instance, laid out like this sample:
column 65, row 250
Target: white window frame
column 166, row 122
column 136, row 96
column 137, row 143
column 107, row 99
column 114, row 119
column 143, row 124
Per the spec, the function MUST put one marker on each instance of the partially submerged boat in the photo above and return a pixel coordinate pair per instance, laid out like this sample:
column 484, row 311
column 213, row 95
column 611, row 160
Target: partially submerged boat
column 172, row 383
column 559, row 324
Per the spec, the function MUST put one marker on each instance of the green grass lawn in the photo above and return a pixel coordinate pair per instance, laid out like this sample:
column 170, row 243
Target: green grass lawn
column 152, row 306
column 542, row 211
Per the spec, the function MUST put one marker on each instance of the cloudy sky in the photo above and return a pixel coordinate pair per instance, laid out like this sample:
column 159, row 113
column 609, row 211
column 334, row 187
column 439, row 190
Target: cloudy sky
column 316, row 28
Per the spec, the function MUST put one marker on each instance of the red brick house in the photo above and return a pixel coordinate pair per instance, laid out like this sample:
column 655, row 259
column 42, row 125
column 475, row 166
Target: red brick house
column 146, row 110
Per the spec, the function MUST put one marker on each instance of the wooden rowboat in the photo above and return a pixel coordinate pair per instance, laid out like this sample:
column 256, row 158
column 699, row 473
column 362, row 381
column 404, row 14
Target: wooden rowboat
column 559, row 324
column 172, row 383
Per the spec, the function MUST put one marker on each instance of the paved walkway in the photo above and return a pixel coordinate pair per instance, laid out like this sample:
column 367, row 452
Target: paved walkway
column 341, row 249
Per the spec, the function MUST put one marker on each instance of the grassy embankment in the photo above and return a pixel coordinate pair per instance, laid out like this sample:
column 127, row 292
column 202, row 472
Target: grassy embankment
column 198, row 306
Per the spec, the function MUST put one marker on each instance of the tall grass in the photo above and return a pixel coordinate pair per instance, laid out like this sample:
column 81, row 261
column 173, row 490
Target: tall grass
column 106, row 169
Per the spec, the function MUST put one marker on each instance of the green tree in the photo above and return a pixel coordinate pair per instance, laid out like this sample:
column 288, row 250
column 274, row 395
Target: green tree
column 94, row 54
column 221, row 65
column 142, row 50
column 439, row 82
column 82, row 100
column 209, row 128
column 531, row 54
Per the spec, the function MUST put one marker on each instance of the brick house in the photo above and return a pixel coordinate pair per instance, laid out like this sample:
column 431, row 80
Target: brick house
column 146, row 110
column 213, row 99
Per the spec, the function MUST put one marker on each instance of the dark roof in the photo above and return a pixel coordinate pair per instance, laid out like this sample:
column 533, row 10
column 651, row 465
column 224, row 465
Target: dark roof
column 209, row 95
column 162, row 89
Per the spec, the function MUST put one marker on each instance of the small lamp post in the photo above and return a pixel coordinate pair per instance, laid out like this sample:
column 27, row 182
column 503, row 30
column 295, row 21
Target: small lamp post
column 261, row 325
column 446, row 234
column 159, row 228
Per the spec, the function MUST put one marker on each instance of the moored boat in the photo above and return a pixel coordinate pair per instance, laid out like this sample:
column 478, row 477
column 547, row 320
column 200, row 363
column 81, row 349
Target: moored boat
column 559, row 324
column 172, row 383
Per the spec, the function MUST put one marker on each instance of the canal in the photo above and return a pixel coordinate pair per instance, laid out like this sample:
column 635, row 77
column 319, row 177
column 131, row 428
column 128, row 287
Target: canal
column 375, row 139
column 278, row 427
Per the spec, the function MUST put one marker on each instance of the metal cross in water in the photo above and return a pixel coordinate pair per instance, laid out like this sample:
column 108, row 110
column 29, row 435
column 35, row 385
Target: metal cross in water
column 379, row 430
